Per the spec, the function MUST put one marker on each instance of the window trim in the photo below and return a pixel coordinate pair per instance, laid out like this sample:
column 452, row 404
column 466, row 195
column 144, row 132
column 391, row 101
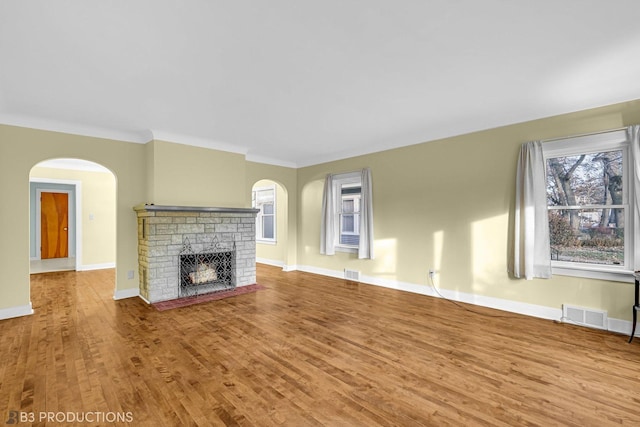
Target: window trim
column 260, row 215
column 587, row 144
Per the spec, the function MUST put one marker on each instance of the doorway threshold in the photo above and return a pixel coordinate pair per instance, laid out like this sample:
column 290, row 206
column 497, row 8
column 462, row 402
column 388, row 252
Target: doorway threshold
column 52, row 264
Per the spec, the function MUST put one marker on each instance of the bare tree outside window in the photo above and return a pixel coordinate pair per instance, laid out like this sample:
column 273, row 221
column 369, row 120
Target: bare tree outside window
column 586, row 208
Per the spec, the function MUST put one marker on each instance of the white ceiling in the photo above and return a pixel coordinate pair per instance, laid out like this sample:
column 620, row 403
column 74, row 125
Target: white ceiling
column 300, row 82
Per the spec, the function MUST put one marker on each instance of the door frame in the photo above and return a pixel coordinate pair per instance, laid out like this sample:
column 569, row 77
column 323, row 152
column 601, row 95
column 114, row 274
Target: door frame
column 77, row 209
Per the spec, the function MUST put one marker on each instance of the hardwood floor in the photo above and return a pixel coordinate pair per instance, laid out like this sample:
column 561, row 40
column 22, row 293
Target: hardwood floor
column 306, row 351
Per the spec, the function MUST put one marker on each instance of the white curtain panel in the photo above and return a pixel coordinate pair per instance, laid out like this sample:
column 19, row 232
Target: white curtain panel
column 532, row 253
column 633, row 133
column 327, row 227
column 634, row 140
column 365, row 248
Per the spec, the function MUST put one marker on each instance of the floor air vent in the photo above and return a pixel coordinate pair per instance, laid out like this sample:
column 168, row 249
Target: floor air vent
column 352, row 275
column 584, row 316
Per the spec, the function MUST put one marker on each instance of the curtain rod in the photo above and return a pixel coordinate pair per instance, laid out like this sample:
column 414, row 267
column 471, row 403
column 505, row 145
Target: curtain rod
column 584, row 134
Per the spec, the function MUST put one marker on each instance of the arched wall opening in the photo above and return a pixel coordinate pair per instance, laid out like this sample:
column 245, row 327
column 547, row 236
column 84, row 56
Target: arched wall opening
column 72, row 215
column 272, row 223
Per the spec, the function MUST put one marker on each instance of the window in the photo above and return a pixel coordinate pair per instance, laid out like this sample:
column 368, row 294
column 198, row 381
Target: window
column 590, row 204
column 348, row 189
column 264, row 198
column 350, row 215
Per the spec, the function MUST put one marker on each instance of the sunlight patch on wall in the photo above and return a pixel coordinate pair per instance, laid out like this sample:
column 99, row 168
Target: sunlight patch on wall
column 386, row 251
column 488, row 250
column 438, row 244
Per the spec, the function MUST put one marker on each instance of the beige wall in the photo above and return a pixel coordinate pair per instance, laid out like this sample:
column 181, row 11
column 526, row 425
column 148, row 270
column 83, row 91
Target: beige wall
column 195, row 176
column 448, row 205
column 98, row 198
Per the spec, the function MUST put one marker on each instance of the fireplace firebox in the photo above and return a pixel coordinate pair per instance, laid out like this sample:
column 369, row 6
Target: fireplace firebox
column 212, row 270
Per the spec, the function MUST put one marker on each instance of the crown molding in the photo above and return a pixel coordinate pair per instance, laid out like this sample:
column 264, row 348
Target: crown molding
column 147, row 135
column 270, row 161
column 177, row 138
column 138, row 137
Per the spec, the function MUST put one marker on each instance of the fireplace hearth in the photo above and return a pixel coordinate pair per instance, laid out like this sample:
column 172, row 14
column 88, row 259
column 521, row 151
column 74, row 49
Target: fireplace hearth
column 189, row 251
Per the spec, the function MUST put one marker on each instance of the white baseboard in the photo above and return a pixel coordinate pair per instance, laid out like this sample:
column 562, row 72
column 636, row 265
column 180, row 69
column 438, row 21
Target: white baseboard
column 272, row 262
column 321, row 271
column 480, row 300
column 622, row 327
column 277, row 263
column 614, row 325
column 21, row 310
column 104, row 266
column 126, row 293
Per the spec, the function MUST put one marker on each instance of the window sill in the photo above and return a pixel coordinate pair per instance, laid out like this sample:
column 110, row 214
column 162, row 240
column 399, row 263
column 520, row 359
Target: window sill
column 347, row 249
column 266, row 242
column 594, row 272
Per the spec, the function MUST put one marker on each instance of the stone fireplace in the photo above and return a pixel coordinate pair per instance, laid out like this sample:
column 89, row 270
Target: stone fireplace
column 188, row 251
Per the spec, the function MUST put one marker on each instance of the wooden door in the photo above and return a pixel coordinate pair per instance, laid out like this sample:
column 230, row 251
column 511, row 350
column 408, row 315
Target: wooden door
column 54, row 225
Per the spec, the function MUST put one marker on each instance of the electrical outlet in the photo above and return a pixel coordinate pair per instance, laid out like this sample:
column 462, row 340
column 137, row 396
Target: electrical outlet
column 130, row 274
column 432, row 273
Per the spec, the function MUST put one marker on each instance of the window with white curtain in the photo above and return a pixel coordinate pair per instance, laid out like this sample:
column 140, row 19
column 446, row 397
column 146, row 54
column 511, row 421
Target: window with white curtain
column 264, row 198
column 590, row 202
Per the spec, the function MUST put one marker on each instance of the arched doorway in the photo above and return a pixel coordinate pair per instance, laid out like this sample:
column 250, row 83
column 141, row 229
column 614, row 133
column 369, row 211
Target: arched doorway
column 72, row 216
column 272, row 222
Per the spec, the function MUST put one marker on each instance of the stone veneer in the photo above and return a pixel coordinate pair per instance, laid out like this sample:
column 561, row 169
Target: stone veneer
column 162, row 231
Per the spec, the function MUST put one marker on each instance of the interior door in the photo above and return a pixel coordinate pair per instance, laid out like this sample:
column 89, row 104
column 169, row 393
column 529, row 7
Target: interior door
column 54, row 225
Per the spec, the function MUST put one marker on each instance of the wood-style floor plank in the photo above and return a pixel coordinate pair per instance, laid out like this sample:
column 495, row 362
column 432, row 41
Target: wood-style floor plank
column 308, row 351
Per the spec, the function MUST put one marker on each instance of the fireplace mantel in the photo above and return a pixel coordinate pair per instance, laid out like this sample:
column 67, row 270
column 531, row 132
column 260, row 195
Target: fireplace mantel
column 167, row 208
